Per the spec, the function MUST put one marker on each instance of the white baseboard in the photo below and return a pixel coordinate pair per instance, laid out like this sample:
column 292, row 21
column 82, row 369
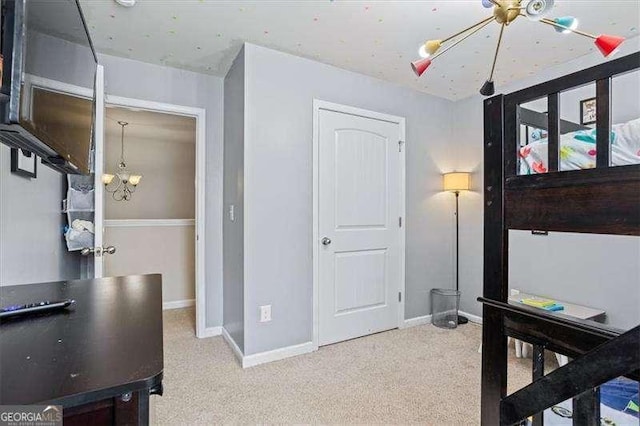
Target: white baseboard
column 232, row 344
column 472, row 318
column 210, row 332
column 177, row 304
column 247, row 361
column 277, row 354
column 412, row 322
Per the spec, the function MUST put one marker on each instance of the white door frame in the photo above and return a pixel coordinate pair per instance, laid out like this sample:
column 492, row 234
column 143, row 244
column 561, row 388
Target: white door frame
column 330, row 106
column 200, row 115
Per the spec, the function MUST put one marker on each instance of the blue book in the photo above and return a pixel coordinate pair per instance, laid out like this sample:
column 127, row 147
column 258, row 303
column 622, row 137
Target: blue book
column 554, row 307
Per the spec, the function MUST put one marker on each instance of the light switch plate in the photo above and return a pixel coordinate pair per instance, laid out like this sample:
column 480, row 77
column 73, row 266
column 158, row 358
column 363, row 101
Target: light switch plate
column 232, row 213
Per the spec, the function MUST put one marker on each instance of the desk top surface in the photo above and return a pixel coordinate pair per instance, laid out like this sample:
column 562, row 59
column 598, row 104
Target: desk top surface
column 570, row 309
column 109, row 343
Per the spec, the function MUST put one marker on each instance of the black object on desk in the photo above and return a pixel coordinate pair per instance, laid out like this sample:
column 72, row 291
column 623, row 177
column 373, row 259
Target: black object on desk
column 99, row 360
column 34, row 308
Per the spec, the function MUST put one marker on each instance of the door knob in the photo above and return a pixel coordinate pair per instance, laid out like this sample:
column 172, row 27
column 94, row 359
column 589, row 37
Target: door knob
column 326, row 241
column 98, row 251
column 86, row 251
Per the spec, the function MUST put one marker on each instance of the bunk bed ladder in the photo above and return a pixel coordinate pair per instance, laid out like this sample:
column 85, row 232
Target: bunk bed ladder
column 579, row 378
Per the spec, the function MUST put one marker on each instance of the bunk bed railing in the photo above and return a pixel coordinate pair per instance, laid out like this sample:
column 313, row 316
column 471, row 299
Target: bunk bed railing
column 608, row 361
column 569, row 336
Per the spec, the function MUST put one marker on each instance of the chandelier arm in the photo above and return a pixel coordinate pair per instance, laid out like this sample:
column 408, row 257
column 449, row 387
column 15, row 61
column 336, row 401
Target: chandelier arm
column 495, row 57
column 117, row 187
column 491, row 18
column 555, row 24
column 466, row 36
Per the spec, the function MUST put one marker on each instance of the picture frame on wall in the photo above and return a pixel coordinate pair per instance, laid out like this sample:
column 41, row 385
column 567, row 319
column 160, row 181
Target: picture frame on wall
column 24, row 163
column 588, row 111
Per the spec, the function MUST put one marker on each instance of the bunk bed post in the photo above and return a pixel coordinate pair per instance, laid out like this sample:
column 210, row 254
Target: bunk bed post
column 586, row 408
column 494, row 341
column 553, row 106
column 603, row 122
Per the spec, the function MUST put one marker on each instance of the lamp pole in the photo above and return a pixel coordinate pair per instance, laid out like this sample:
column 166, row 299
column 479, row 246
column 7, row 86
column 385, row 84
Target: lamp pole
column 461, row 319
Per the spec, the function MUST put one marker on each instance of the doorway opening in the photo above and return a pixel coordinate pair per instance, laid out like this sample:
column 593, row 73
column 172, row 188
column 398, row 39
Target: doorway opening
column 160, row 228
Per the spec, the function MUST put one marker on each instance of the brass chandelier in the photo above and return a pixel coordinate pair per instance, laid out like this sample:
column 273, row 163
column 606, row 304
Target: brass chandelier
column 504, row 13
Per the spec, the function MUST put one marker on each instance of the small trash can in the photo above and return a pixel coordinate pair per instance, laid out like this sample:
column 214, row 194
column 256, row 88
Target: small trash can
column 444, row 307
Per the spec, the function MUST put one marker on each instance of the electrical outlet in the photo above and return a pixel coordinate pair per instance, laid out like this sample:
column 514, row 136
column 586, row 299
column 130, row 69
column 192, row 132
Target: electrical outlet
column 265, row 313
column 232, row 213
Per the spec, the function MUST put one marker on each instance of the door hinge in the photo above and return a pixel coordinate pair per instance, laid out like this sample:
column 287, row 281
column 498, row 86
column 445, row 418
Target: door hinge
column 399, row 296
column 400, row 146
column 400, row 222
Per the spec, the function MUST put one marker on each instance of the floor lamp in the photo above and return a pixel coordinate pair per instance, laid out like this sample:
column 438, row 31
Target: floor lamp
column 456, row 182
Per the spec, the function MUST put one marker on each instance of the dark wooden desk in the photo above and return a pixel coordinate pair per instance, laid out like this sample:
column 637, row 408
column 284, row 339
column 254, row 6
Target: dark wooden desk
column 100, row 360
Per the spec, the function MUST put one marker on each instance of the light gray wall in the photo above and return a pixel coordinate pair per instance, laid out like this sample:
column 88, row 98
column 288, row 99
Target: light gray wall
column 32, row 247
column 134, row 79
column 234, row 107
column 601, row 271
column 280, row 89
column 468, row 137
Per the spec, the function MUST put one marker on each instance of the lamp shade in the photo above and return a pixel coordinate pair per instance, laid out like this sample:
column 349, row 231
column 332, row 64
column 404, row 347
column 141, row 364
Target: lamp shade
column 420, row 66
column 432, row 46
column 608, row 43
column 488, row 88
column 456, row 181
column 107, row 178
column 568, row 22
column 135, row 179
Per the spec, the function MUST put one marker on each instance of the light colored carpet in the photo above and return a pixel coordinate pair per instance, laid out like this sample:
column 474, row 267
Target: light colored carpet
column 417, row 375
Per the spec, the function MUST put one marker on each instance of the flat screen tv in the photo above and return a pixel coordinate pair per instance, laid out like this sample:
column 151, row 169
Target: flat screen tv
column 46, row 48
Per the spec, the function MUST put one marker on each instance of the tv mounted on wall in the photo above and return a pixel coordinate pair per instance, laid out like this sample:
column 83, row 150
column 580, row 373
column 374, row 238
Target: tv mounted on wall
column 56, row 126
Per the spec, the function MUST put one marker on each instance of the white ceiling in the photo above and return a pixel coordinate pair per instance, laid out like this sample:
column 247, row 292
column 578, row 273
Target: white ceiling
column 377, row 38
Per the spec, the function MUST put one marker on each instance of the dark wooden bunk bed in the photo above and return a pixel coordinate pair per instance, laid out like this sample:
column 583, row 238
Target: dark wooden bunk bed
column 603, row 200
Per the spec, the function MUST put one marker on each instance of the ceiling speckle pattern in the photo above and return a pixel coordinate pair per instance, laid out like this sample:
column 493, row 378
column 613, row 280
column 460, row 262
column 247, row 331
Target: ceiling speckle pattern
column 376, row 38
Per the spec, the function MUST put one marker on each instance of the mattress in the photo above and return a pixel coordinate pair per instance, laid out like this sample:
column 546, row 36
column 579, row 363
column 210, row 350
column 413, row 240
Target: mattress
column 578, row 149
column 619, row 405
column 560, row 415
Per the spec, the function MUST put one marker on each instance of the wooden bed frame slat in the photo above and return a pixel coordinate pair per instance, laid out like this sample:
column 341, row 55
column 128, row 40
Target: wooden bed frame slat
column 553, row 144
column 603, row 122
column 540, row 120
column 602, row 208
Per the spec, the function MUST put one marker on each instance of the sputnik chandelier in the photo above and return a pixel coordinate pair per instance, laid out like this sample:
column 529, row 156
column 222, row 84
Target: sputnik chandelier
column 504, row 13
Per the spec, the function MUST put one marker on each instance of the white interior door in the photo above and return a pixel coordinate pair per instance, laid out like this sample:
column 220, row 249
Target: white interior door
column 359, row 208
column 98, row 170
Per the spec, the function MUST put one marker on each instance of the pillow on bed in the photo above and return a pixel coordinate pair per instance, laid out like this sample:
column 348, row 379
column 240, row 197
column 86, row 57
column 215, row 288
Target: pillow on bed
column 628, row 136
